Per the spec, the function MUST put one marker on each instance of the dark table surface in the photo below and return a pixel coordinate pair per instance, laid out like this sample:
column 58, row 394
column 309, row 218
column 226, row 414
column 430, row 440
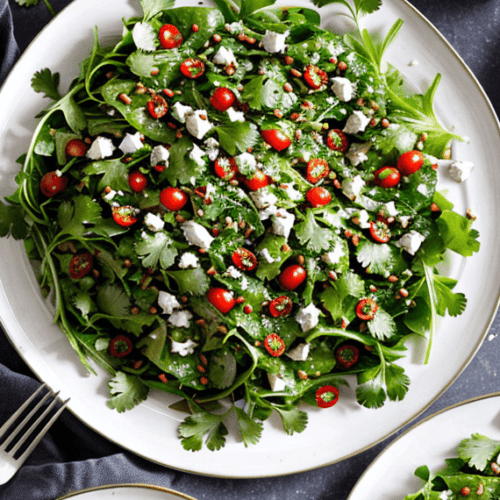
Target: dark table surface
column 73, row 457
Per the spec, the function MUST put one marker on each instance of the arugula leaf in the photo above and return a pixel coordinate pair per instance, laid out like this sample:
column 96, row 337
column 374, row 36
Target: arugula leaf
column 156, row 249
column 237, row 137
column 250, row 430
column 126, row 391
column 202, row 423
column 457, row 233
column 312, row 235
column 45, row 81
column 478, row 450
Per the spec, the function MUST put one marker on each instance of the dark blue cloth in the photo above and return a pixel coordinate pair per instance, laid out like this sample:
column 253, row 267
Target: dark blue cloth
column 72, row 457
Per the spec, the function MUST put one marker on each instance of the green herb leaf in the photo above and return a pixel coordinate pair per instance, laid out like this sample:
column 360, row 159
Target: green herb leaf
column 12, row 221
column 44, row 81
column 191, row 281
column 312, row 235
column 250, row 430
column 195, row 427
column 294, row 420
column 237, row 137
column 112, row 300
column 156, row 249
column 182, row 168
column 74, row 217
column 478, row 450
column 126, row 391
column 151, row 8
column 457, row 233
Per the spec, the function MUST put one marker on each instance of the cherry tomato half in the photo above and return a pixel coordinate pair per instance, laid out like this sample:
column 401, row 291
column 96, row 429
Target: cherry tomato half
column 337, row 140
column 347, row 355
column 281, row 306
column 120, row 346
column 318, row 196
column 157, row 107
column 124, row 216
column 226, row 168
column 387, row 177
column 315, row 77
column 75, row 148
column 221, row 299
column 410, row 162
column 366, row 309
column 258, row 181
column 52, row 183
column 193, row 68
column 327, row 396
column 317, row 169
column 292, row 276
column 80, row 265
column 222, row 98
column 379, row 231
column 137, row 181
column 173, row 198
column 170, row 36
column 276, row 139
column 274, row 345
column 244, row 259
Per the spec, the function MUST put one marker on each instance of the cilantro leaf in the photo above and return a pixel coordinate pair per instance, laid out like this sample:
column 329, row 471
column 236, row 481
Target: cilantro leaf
column 73, row 217
column 396, row 381
column 44, row 81
column 341, row 298
column 447, row 300
column 237, row 137
column 250, row 430
column 156, row 249
column 222, row 369
column 12, row 221
column 126, row 391
column 191, row 281
column 377, row 258
column 310, row 234
column 294, row 420
column 478, row 450
column 457, row 233
column 113, row 300
column 382, row 326
column 201, row 424
column 115, row 174
column 182, row 168
column 152, row 7
column 371, row 394
column 274, row 245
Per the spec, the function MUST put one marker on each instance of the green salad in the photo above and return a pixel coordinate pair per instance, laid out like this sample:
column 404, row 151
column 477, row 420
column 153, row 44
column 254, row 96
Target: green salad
column 232, row 203
column 473, row 474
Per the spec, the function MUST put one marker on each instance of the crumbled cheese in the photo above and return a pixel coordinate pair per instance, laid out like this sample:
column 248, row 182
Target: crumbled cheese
column 235, row 116
column 197, row 154
column 269, row 258
column 109, row 196
column 246, row 162
column 197, row 235
column 459, row 171
column 131, row 143
column 357, row 153
column 291, row 192
column 300, row 352
column 422, row 189
column 267, row 212
column 277, row 384
column 179, row 111
column 357, row 122
column 333, row 256
column 274, row 42
column 343, row 88
column 263, row 198
column 159, row 154
column 308, row 317
column 154, row 222
column 198, row 124
column 212, row 148
column 188, row 260
column 352, row 187
column 183, row 348
column 390, row 209
column 411, row 242
column 167, row 302
column 224, row 56
column 283, row 223
column 102, row 147
column 232, row 272
column 180, row 319
column 446, row 495
column 144, row 37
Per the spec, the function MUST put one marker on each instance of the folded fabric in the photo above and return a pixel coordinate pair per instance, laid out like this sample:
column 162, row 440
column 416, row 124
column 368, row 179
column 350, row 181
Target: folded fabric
column 9, row 51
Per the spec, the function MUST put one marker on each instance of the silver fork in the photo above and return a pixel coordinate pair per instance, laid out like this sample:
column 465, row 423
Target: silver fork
column 9, row 462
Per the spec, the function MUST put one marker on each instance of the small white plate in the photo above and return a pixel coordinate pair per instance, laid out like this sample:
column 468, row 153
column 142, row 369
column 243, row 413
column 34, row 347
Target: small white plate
column 127, row 492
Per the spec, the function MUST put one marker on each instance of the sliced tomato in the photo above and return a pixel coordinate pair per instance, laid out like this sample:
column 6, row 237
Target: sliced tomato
column 315, row 77
column 244, row 259
column 222, row 98
column 124, row 216
column 80, row 265
column 120, row 346
column 337, row 140
column 170, row 37
column 226, row 168
column 380, row 231
column 274, row 345
column 281, row 306
column 327, row 396
column 317, row 169
column 157, row 107
column 193, row 68
column 221, row 299
column 53, row 183
column 366, row 309
column 347, row 355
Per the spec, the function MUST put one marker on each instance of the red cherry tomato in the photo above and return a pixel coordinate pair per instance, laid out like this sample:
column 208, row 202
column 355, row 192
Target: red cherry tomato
column 317, row 169
column 124, row 216
column 327, row 396
column 274, row 345
column 157, row 107
column 387, row 177
column 380, row 231
column 221, row 299
column 318, row 196
column 52, row 184
column 258, row 181
column 410, row 162
column 137, row 181
column 244, row 259
column 173, row 198
column 276, row 139
column 120, row 346
column 80, row 265
column 226, row 168
column 75, row 148
column 315, row 77
column 347, row 355
column 292, row 276
column 337, row 140
column 222, row 98
column 281, row 306
column 170, row 36
column 193, row 68
column 366, row 309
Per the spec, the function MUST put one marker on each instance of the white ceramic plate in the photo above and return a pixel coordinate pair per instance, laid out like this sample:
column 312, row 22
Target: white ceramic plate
column 429, row 443
column 150, row 430
column 126, row 492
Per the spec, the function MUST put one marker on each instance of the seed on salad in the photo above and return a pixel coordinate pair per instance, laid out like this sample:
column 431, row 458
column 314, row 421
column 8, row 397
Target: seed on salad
column 278, row 113
column 288, row 87
column 302, row 375
column 200, row 322
column 480, row 489
column 333, row 60
column 342, row 66
column 393, row 279
column 125, row 99
column 495, row 468
column 203, row 359
column 134, row 310
column 163, row 378
column 211, row 271
column 204, row 380
column 201, row 368
column 217, row 38
column 240, row 299
column 248, row 309
column 195, row 28
column 332, row 275
column 301, row 260
column 296, row 73
column 385, row 123
column 242, row 37
column 168, row 92
column 288, row 60
column 155, row 72
column 153, row 310
column 222, row 329
column 465, row 491
column 355, row 240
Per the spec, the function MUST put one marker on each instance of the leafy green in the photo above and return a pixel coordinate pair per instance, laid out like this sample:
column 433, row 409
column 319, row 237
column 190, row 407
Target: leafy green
column 126, row 392
column 312, row 235
column 156, row 249
column 457, row 233
column 237, row 137
column 478, row 450
column 45, row 81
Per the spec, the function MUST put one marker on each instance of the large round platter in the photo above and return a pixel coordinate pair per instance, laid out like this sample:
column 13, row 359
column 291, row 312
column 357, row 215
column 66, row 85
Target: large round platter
column 150, row 430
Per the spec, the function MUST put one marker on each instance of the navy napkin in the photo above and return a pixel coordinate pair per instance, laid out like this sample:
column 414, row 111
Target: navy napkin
column 9, row 51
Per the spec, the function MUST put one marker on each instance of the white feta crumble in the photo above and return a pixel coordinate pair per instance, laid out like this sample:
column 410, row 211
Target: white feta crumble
column 308, row 317
column 390, row 209
column 179, row 111
column 154, row 222
column 422, row 189
column 235, row 116
column 131, row 143
column 446, row 495
column 109, row 196
column 357, row 153
column 267, row 212
column 197, row 235
column 343, row 88
column 232, row 272
column 188, row 260
column 300, row 352
column 333, row 256
column 167, row 302
column 144, row 37
column 460, row 171
column 183, row 348
column 224, row 56
column 102, row 147
column 274, row 42
column 352, row 187
column 283, row 223
column 212, row 148
column 357, row 122
column 411, row 242
column 263, row 198
column 198, row 124
column 277, row 384
column 159, row 154
column 246, row 161
column 180, row 319
column 197, row 154
column 265, row 253
column 291, row 192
